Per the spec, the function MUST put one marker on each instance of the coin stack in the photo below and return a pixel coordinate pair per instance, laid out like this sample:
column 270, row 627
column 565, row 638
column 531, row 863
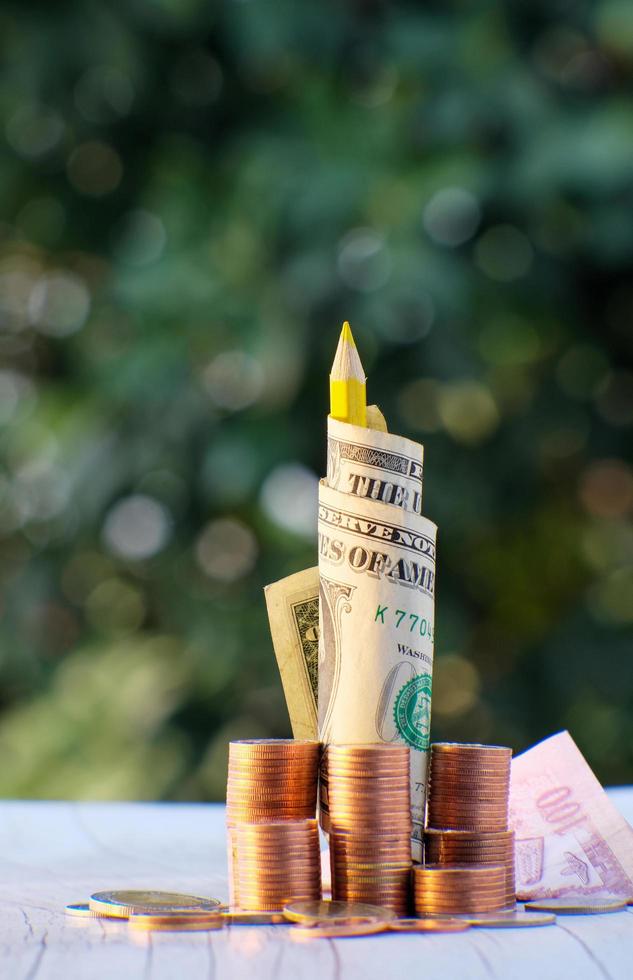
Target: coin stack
column 276, row 863
column 269, row 781
column 469, row 847
column 452, row 888
column 467, row 827
column 370, row 824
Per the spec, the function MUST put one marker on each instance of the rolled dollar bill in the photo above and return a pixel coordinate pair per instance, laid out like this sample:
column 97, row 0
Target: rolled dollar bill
column 376, row 610
column 375, row 465
column 293, row 602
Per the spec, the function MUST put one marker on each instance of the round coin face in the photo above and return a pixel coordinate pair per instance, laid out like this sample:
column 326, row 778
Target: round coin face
column 582, row 905
column 333, row 912
column 428, row 925
column 124, row 903
column 336, row 931
column 81, row 910
column 189, row 922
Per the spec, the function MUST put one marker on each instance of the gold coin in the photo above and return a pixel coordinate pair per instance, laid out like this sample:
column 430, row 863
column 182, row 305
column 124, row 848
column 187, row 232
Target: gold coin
column 371, row 809
column 333, row 911
column 337, row 771
column 270, row 907
column 269, row 833
column 453, row 855
column 467, row 838
column 496, row 769
column 581, row 905
column 470, row 747
column 189, row 922
column 264, row 813
column 239, row 918
column 459, row 908
column 474, row 824
column 481, row 802
column 327, row 931
column 272, row 829
column 83, row 911
column 272, row 791
column 472, row 872
column 246, row 883
column 469, row 788
column 122, row 904
column 511, row 920
column 358, row 864
column 467, row 847
column 252, row 872
column 388, row 856
column 365, row 748
column 428, row 925
column 374, row 895
column 274, row 744
column 452, row 803
column 397, row 794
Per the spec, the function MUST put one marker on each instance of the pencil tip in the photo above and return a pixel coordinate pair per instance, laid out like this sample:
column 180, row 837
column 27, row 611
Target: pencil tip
column 346, row 334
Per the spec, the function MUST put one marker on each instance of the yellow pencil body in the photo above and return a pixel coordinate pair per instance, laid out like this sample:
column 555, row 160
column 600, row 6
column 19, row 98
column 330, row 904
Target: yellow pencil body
column 348, row 394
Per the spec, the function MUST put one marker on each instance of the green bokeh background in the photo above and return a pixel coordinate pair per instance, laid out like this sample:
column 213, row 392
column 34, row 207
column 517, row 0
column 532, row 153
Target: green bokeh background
column 194, row 195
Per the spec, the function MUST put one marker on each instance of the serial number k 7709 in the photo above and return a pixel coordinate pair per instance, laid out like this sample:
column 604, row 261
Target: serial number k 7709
column 406, row 621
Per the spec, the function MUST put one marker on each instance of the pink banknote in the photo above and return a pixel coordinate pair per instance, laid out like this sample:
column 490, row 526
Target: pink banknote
column 570, row 838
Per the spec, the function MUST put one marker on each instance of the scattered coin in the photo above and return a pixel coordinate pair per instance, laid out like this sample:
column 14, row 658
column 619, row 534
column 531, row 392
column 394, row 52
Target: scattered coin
column 332, row 931
column 254, row 918
column 188, row 922
column 428, row 925
column 582, row 905
column 82, row 910
column 122, row 904
column 510, row 920
column 335, row 912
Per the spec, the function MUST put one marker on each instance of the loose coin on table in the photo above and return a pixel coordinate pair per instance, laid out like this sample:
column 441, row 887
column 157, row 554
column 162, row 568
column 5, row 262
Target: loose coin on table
column 510, row 920
column 582, row 905
column 254, row 918
column 187, row 922
column 122, row 904
column 327, row 930
column 82, row 911
column 428, row 925
column 336, row 912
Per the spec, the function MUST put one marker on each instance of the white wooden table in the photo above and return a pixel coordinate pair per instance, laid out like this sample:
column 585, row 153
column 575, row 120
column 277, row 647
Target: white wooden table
column 54, row 853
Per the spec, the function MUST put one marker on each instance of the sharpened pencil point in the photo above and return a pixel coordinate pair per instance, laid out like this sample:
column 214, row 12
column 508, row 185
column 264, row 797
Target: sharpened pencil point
column 346, row 334
column 348, row 401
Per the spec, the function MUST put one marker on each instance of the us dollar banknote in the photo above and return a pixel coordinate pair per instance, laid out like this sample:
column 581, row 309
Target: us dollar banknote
column 293, row 612
column 377, row 588
column 375, row 465
column 570, row 838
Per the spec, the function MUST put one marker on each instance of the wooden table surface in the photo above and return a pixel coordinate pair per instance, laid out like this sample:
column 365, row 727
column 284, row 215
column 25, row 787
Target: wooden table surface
column 55, row 853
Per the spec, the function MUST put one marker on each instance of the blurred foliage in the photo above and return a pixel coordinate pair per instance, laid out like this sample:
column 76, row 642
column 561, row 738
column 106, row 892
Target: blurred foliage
column 194, row 195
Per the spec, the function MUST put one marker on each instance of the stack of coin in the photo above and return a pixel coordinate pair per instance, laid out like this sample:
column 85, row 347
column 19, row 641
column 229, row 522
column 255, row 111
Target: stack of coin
column 449, row 889
column 269, row 780
column 276, row 863
column 469, row 847
column 370, row 824
column 469, row 787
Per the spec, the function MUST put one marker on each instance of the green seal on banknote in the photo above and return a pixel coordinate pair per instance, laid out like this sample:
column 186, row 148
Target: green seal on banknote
column 412, row 711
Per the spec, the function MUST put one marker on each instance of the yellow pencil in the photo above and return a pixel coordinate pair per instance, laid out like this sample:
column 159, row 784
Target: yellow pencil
column 348, row 397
